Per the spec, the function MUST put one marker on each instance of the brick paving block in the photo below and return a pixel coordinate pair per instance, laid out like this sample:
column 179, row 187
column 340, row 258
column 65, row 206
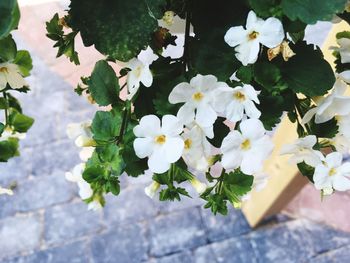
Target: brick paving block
column 37, row 193
column 76, row 252
column 123, row 244
column 237, row 250
column 69, row 222
column 59, row 156
column 19, row 234
column 176, row 232
column 185, row 257
column 222, row 227
column 325, row 238
column 130, row 206
column 336, row 256
column 288, row 242
column 204, row 254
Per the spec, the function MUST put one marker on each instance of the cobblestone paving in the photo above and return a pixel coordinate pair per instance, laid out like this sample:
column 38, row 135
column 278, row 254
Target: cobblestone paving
column 46, row 222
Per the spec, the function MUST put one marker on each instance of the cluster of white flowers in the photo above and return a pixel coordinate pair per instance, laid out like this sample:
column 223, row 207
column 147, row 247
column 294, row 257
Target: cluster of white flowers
column 330, row 174
column 81, row 133
column 165, row 141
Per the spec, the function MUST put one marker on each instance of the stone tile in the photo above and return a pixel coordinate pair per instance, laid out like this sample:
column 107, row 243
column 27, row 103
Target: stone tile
column 237, row 250
column 123, row 244
column 204, row 254
column 59, row 156
column 37, row 193
column 235, row 224
column 336, row 256
column 73, row 253
column 185, row 257
column 20, row 234
column 17, row 168
column 70, row 222
column 282, row 243
column 176, row 232
column 325, row 238
column 130, row 206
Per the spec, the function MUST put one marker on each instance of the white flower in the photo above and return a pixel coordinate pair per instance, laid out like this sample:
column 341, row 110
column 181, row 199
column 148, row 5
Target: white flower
column 302, row 151
column 197, row 96
column 152, row 189
column 140, row 72
column 198, row 185
column 332, row 174
column 10, row 74
column 5, row 191
column 341, row 143
column 82, row 134
column 197, row 151
column 344, row 125
column 94, row 205
column 86, row 153
column 247, row 149
column 75, row 176
column 247, row 41
column 332, row 105
column 345, row 76
column 344, row 49
column 10, row 133
column 161, row 143
column 234, row 102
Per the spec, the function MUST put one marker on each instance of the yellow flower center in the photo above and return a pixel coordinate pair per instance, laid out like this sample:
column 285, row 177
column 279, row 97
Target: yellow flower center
column 332, row 172
column 239, row 96
column 4, row 70
column 253, row 35
column 138, row 71
column 188, row 144
column 198, row 96
column 161, row 139
column 246, row 144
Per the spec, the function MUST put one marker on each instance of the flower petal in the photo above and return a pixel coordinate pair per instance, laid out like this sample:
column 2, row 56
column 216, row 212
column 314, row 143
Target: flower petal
column 171, row 125
column 143, row 147
column 251, row 110
column 186, row 113
column 252, row 129
column 173, row 149
column 157, row 163
column 272, row 33
column 334, row 159
column 181, row 93
column 146, row 77
column 205, row 115
column 235, row 36
column 149, row 126
column 341, row 183
column 248, row 52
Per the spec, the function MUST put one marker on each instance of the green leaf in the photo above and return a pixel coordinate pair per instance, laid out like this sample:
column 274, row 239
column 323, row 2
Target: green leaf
column 8, row 149
column 156, row 7
column 220, row 132
column 3, row 103
column 114, row 185
column 9, row 17
column 2, row 128
column 327, row 129
column 311, row 11
column 211, row 55
column 245, row 74
column 92, row 174
column 20, row 122
column 103, row 84
column 110, row 155
column 24, row 61
column 172, row 193
column 8, row 48
column 265, row 8
column 106, row 125
column 266, row 74
column 308, row 62
column 238, row 182
column 130, row 25
column 307, row 171
column 217, row 204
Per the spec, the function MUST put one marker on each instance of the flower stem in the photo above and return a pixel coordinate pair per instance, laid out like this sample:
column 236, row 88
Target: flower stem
column 6, row 110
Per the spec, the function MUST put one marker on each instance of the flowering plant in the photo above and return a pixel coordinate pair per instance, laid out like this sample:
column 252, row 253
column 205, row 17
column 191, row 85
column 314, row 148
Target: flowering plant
column 244, row 64
column 14, row 66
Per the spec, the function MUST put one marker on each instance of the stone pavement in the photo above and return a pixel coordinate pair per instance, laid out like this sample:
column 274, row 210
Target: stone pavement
column 45, row 221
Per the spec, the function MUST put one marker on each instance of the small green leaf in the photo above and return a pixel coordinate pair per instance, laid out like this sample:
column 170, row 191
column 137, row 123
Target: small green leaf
column 20, row 122
column 106, row 125
column 266, row 74
column 24, row 61
column 238, row 182
column 8, row 149
column 328, row 129
column 8, row 49
column 114, row 185
column 103, row 84
column 93, row 173
column 2, row 128
column 220, row 132
column 307, row 171
column 9, row 17
column 245, row 74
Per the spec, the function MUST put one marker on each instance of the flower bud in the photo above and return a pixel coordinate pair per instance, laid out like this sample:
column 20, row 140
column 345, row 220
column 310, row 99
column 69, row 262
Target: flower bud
column 168, row 18
column 6, row 191
column 151, row 190
column 84, row 141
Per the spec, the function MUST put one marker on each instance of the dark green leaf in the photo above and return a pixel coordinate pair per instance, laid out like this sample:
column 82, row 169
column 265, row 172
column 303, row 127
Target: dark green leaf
column 265, row 8
column 307, row 171
column 24, row 61
column 220, row 132
column 245, row 74
column 8, row 149
column 103, row 84
column 308, row 62
column 311, row 11
column 267, row 74
column 8, row 48
column 2, row 128
column 9, row 17
column 20, row 122
column 324, row 130
column 93, row 173
column 106, row 126
column 238, row 183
